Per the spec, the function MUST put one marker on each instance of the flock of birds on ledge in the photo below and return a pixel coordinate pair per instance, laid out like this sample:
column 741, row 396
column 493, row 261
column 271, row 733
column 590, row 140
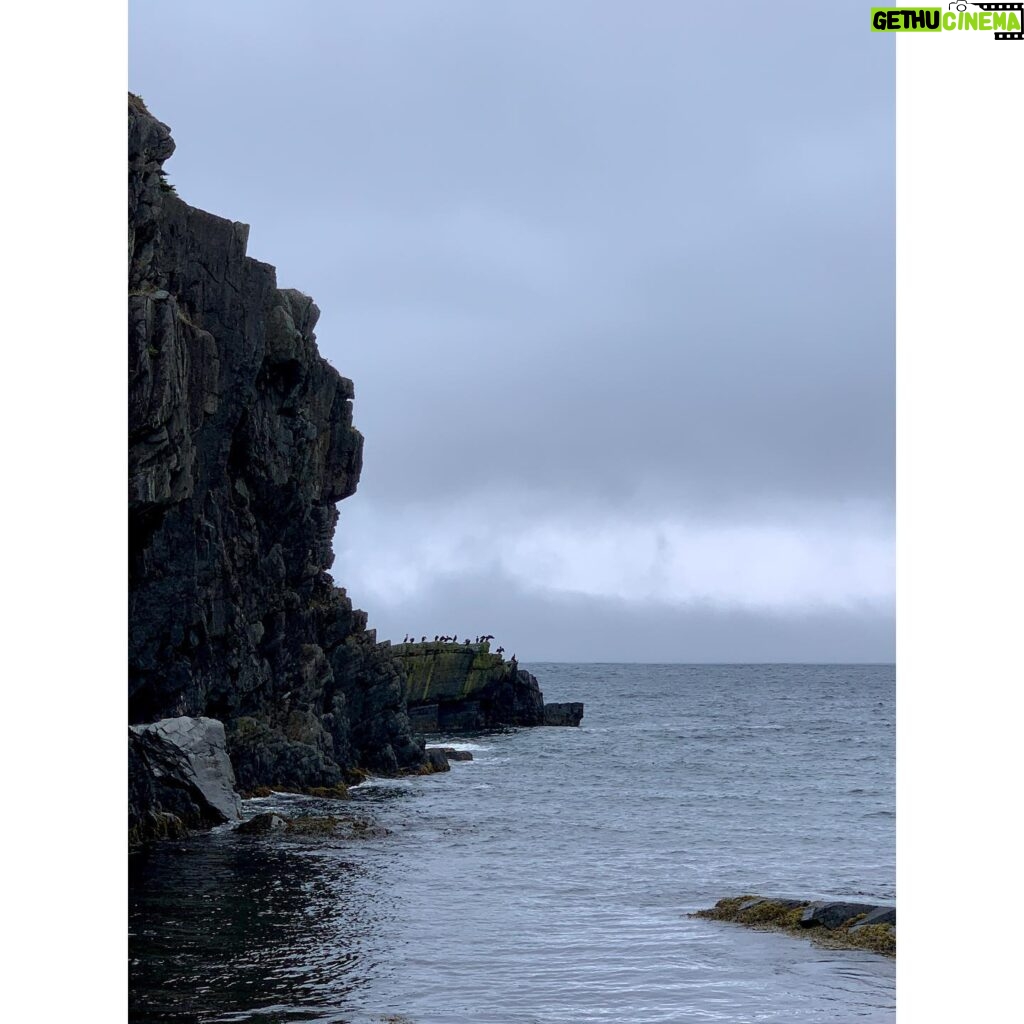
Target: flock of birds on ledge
column 454, row 640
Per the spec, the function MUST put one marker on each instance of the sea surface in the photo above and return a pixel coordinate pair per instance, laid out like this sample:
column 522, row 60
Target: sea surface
column 550, row 879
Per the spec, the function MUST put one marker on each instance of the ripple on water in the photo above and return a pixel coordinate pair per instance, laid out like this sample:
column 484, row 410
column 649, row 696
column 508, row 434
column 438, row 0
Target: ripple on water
column 549, row 879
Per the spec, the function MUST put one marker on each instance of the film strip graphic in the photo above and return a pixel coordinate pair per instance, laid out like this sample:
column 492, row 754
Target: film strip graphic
column 1019, row 8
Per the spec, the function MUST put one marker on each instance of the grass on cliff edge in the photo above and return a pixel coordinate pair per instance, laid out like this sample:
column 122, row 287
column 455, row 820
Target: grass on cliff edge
column 772, row 916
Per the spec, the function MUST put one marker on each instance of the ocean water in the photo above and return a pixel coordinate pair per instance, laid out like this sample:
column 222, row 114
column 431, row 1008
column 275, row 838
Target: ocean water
column 550, row 879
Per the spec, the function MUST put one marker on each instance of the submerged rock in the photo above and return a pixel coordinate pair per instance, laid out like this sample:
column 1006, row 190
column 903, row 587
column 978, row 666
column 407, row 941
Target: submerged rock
column 178, row 768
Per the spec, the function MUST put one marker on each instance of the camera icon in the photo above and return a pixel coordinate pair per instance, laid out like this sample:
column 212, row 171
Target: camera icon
column 957, row 5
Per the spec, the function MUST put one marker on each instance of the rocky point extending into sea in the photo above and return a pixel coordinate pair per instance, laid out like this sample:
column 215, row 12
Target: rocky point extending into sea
column 452, row 687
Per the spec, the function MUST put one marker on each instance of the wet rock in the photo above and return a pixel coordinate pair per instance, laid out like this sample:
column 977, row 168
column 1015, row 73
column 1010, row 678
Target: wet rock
column 457, row 755
column 266, row 822
column 436, row 761
column 836, row 924
column 880, row 915
column 833, row 914
column 563, row 714
column 313, row 825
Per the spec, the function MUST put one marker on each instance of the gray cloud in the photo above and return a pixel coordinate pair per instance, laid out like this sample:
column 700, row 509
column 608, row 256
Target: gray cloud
column 558, row 628
column 628, row 268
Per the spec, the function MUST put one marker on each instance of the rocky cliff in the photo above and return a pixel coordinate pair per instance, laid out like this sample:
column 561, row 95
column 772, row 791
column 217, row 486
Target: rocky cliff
column 240, row 444
column 454, row 687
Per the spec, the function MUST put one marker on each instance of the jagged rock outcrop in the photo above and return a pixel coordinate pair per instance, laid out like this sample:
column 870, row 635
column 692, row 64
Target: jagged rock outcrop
column 453, row 687
column 240, row 444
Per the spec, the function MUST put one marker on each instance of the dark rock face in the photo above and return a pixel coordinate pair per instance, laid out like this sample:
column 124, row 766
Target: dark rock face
column 436, row 761
column 240, row 444
column 179, row 778
column 463, row 687
column 563, row 714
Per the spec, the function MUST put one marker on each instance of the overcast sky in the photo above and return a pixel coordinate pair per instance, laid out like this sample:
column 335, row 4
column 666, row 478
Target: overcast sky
column 615, row 283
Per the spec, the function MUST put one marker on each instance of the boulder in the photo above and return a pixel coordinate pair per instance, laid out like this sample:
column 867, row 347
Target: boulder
column 436, row 761
column 563, row 714
column 262, row 823
column 457, row 755
column 178, row 768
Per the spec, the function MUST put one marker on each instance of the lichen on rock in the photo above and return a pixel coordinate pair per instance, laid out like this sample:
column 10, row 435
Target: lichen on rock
column 452, row 687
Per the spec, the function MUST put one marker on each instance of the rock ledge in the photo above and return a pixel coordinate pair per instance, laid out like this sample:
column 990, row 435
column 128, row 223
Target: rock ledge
column 833, row 923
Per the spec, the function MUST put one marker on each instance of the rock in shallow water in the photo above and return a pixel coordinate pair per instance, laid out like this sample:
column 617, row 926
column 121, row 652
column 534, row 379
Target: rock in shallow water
column 833, row 914
column 436, row 761
column 179, row 767
column 837, row 923
column 262, row 823
column 563, row 714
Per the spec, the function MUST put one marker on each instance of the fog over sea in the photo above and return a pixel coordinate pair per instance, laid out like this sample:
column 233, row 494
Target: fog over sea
column 549, row 879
